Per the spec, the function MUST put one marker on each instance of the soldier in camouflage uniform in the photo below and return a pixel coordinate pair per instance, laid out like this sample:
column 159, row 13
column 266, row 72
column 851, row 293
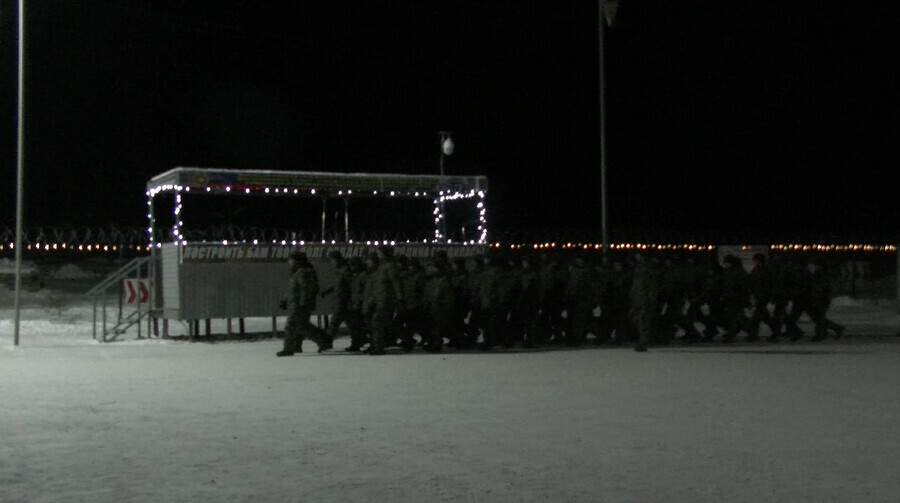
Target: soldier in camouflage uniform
column 384, row 296
column 694, row 279
column 490, row 301
column 553, row 280
column 462, row 302
column 778, row 294
column 601, row 326
column 371, row 265
column 815, row 299
column 438, row 304
column 580, row 300
column 413, row 317
column 475, row 323
column 527, row 309
column 645, row 299
column 762, row 282
column 510, row 290
column 343, row 303
column 788, row 287
column 360, row 274
column 735, row 297
column 616, row 325
column 710, row 298
column 673, row 292
column 303, row 288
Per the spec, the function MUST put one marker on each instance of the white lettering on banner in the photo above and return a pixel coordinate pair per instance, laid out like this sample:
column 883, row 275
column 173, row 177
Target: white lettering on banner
column 315, row 251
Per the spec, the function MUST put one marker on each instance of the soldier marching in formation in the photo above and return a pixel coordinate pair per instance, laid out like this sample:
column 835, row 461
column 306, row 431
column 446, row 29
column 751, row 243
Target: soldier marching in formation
column 496, row 300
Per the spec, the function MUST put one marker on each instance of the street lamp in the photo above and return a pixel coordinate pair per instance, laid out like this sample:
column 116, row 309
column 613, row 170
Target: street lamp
column 446, row 149
column 606, row 15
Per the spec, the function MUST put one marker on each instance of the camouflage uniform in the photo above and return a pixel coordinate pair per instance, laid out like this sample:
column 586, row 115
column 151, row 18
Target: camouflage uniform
column 616, row 325
column 735, row 298
column 694, row 279
column 462, row 302
column 362, row 285
column 645, row 300
column 490, row 302
column 787, row 288
column 580, row 301
column 762, row 282
column 384, row 296
column 413, row 317
column 471, row 286
column 510, row 290
column 303, row 287
column 815, row 299
column 438, row 304
column 344, row 311
column 526, row 311
column 553, row 280
column 601, row 326
column 674, row 292
column 711, row 297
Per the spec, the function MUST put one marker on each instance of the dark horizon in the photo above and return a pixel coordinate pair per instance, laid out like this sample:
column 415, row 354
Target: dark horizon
column 723, row 118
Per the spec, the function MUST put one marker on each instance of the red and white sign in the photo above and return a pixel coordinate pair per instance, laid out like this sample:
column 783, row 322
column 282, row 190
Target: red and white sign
column 136, row 291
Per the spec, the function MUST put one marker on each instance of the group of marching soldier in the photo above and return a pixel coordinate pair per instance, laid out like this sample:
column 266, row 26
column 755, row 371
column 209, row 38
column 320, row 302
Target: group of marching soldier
column 528, row 300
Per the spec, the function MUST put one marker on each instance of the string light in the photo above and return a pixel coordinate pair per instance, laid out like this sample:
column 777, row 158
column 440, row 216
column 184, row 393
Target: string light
column 224, row 181
column 781, row 247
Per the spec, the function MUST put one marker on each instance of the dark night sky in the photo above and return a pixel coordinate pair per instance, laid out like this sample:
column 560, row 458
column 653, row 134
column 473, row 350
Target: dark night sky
column 749, row 119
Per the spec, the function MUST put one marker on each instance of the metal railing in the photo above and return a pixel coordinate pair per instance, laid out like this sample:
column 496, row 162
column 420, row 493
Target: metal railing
column 125, row 316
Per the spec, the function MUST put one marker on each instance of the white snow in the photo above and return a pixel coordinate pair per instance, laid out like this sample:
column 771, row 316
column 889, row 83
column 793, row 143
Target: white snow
column 162, row 420
column 71, row 271
column 8, row 266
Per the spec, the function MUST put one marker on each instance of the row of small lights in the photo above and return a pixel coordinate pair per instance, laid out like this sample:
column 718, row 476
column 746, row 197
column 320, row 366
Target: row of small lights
column 694, row 247
column 438, row 215
column 97, row 247
column 48, row 247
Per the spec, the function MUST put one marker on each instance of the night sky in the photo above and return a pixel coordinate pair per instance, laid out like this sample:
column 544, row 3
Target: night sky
column 727, row 120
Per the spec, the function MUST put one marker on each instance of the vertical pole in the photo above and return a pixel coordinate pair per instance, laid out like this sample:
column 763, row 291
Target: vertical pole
column 443, row 227
column 103, row 334
column 603, row 220
column 94, row 319
column 324, row 216
column 20, row 173
column 151, row 266
column 347, row 219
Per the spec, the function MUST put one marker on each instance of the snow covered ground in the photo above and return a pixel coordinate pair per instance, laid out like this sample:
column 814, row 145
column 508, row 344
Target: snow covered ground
column 154, row 420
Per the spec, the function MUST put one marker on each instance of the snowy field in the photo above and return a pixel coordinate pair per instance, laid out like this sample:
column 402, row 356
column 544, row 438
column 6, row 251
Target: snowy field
column 164, row 420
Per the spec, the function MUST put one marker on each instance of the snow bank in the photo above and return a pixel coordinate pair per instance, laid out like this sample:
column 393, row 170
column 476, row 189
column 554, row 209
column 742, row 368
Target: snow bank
column 8, row 266
column 71, row 271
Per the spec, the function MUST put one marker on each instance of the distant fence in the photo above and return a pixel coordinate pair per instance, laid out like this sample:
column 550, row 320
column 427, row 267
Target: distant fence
column 135, row 238
column 865, row 269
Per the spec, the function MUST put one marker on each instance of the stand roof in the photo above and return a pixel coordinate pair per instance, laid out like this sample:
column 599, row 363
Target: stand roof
column 313, row 182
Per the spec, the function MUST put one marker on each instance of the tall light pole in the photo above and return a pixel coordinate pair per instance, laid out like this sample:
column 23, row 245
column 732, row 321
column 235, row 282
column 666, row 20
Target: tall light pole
column 20, row 172
column 446, row 149
column 606, row 13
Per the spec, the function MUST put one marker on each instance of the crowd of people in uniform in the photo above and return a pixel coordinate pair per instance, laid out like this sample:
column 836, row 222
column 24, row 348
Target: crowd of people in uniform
column 530, row 300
